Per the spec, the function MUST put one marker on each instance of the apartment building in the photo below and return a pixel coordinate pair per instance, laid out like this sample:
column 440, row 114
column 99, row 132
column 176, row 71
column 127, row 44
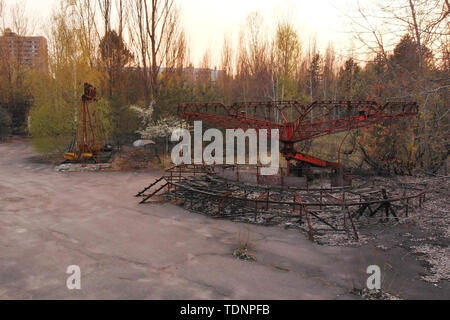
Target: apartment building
column 31, row 52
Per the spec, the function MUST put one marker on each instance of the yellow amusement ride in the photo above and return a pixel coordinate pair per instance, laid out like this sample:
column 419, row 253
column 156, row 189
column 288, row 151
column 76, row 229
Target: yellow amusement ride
column 84, row 146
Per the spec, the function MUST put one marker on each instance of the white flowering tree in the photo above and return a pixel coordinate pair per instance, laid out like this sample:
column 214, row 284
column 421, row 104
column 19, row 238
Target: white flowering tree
column 152, row 129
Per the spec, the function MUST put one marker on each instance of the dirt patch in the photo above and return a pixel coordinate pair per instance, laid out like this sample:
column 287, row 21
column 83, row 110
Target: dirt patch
column 242, row 253
column 367, row 294
column 133, row 159
column 83, row 167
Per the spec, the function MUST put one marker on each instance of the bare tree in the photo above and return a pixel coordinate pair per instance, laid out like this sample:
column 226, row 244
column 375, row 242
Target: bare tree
column 86, row 12
column 253, row 59
column 121, row 16
column 177, row 54
column 409, row 37
column 227, row 57
column 156, row 22
column 242, row 68
column 140, row 41
column 379, row 25
column 2, row 18
column 256, row 43
column 226, row 65
column 329, row 71
column 161, row 24
column 105, row 9
column 21, row 23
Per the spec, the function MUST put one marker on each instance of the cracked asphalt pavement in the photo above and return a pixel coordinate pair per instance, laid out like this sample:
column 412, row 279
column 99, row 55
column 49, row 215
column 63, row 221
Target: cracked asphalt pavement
column 50, row 220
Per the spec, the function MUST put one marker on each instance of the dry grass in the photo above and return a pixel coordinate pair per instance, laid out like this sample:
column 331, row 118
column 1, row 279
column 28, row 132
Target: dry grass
column 242, row 251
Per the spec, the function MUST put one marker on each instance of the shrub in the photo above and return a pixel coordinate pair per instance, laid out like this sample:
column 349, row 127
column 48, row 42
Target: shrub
column 5, row 123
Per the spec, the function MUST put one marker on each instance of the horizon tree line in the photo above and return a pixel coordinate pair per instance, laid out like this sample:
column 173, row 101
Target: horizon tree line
column 137, row 53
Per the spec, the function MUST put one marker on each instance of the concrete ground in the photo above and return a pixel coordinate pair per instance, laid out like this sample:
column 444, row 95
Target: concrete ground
column 50, row 220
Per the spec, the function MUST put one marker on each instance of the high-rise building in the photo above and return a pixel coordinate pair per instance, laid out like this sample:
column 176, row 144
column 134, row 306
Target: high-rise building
column 31, row 52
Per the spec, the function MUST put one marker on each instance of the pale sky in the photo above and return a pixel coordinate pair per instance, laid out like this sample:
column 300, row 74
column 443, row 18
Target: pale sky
column 207, row 21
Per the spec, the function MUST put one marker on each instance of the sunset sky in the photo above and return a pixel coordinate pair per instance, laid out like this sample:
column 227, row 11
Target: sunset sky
column 207, row 21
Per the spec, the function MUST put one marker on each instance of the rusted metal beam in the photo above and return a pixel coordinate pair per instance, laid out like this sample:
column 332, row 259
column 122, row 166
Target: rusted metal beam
column 298, row 122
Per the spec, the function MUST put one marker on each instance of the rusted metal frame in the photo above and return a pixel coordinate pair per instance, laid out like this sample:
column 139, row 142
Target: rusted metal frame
column 224, row 201
column 200, row 186
column 341, row 202
column 187, row 168
column 298, row 130
column 340, row 146
column 346, row 211
column 278, row 105
column 198, row 183
column 387, row 206
column 249, row 213
column 188, row 112
column 238, row 120
column 350, row 123
column 308, row 131
column 308, row 220
column 312, row 204
column 315, row 215
column 320, row 218
column 370, row 106
column 141, row 193
column 171, row 178
column 362, row 209
column 90, row 124
column 405, row 205
column 302, row 205
column 286, row 188
column 154, row 193
column 369, row 119
column 191, row 198
column 310, row 159
column 306, row 110
column 221, row 199
column 201, row 189
column 355, row 232
column 84, row 106
column 180, row 178
column 258, row 199
column 359, row 203
column 330, row 108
